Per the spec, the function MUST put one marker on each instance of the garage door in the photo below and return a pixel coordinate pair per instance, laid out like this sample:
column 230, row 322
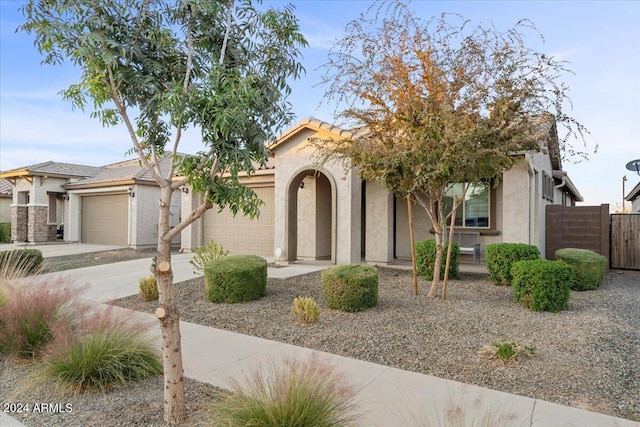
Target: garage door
column 239, row 234
column 105, row 219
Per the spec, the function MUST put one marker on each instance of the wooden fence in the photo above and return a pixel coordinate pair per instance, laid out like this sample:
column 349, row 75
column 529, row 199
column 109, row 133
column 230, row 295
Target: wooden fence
column 625, row 241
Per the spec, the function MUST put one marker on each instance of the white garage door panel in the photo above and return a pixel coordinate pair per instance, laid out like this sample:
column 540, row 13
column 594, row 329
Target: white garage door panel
column 239, row 234
column 105, row 219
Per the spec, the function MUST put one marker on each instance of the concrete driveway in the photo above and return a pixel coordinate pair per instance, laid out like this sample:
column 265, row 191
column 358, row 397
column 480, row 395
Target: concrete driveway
column 61, row 249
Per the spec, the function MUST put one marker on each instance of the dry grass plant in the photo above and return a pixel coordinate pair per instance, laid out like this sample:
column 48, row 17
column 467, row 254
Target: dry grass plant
column 306, row 310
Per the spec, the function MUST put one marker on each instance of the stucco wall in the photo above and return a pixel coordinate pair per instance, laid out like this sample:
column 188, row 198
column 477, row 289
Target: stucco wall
column 5, row 209
column 144, row 216
column 293, row 158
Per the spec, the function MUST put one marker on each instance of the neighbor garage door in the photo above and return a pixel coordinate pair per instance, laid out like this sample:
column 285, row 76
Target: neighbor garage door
column 105, row 219
column 239, row 234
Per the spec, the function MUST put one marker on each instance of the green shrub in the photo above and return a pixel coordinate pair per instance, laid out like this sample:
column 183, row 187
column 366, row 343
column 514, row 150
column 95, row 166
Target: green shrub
column 27, row 261
column 426, row 259
column 5, row 232
column 305, row 309
column 33, row 312
column 590, row 267
column 501, row 256
column 148, row 288
column 108, row 350
column 235, row 278
column 205, row 254
column 542, row 285
column 350, row 287
column 292, row 394
column 505, row 352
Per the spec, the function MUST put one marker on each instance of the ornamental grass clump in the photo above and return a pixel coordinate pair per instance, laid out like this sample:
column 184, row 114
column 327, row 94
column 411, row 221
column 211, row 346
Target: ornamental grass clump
column 205, row 254
column 306, row 310
column 107, row 350
column 590, row 267
column 34, row 312
column 19, row 263
column 294, row 394
column 148, row 288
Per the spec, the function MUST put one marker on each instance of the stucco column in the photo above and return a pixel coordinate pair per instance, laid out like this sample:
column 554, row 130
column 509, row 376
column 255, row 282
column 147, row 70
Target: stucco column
column 349, row 219
column 191, row 236
column 515, row 201
column 378, row 224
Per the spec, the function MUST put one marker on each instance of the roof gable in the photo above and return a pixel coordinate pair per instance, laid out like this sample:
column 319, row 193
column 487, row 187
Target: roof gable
column 309, row 123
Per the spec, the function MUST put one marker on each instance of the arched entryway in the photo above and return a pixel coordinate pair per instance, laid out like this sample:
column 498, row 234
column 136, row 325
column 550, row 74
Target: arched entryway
column 311, row 216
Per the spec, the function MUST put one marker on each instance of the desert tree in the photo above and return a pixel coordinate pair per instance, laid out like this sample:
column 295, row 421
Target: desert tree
column 222, row 67
column 442, row 101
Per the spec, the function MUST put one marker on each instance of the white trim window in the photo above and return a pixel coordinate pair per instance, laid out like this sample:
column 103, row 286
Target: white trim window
column 475, row 210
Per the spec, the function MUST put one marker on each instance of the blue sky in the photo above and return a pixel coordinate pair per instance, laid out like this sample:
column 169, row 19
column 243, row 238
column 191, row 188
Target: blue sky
column 600, row 39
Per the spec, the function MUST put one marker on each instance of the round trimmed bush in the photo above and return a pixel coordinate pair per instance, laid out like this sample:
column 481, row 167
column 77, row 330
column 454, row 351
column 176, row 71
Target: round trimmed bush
column 501, row 256
column 426, row 259
column 541, row 284
column 590, row 267
column 350, row 287
column 235, row 278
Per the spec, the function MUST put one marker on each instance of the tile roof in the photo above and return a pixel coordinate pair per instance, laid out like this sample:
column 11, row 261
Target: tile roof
column 6, row 188
column 55, row 168
column 128, row 170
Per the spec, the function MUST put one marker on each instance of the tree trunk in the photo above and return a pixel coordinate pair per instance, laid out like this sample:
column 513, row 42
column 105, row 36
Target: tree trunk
column 433, row 292
column 449, row 245
column 168, row 315
column 413, row 247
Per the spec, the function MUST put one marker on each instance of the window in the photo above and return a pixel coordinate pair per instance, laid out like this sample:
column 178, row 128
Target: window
column 473, row 212
column 547, row 187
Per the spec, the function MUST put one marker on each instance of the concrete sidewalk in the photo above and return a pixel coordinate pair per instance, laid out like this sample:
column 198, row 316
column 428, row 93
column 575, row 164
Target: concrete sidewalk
column 387, row 397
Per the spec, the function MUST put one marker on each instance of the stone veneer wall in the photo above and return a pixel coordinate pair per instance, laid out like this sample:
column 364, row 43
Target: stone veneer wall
column 19, row 221
column 38, row 230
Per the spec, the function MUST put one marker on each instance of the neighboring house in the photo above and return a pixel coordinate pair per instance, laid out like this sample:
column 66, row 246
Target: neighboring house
column 6, row 195
column 116, row 204
column 333, row 214
column 634, row 198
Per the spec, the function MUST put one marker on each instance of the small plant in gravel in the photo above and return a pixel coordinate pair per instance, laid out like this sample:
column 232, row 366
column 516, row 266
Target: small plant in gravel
column 203, row 255
column 148, row 288
column 34, row 312
column 107, row 350
column 293, row 394
column 506, row 352
column 305, row 309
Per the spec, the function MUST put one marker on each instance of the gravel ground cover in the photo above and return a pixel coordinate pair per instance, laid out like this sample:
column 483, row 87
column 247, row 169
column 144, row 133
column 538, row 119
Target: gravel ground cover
column 586, row 356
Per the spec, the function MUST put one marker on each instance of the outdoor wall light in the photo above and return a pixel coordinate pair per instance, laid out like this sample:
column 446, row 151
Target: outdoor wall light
column 130, row 192
column 65, row 196
column 301, row 184
column 185, row 190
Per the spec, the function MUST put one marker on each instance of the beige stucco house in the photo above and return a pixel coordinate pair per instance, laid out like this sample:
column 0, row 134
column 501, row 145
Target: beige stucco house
column 116, row 204
column 6, row 196
column 634, row 198
column 332, row 214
